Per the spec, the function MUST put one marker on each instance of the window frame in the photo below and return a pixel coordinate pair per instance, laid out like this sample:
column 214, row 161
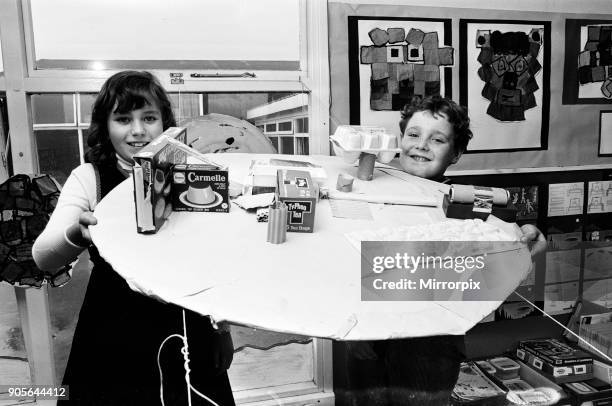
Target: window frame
column 16, row 37
column 312, row 76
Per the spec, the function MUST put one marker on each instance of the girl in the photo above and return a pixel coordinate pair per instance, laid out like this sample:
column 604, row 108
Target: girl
column 114, row 352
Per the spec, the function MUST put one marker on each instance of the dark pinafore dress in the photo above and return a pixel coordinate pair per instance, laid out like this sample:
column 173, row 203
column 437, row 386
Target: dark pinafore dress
column 113, row 360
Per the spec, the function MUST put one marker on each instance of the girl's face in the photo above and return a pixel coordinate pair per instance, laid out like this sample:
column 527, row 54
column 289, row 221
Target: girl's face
column 131, row 131
column 428, row 145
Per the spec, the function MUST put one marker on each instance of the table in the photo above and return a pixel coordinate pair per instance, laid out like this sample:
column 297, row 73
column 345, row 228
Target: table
column 220, row 264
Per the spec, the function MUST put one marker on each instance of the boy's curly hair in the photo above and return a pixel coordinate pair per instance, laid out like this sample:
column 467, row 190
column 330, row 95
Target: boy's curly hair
column 123, row 92
column 456, row 114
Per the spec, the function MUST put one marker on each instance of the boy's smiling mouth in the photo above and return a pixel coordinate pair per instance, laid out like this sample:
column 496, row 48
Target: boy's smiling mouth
column 420, row 158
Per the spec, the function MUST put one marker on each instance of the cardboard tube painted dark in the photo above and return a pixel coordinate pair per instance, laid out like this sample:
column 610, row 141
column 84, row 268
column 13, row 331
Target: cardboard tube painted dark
column 467, row 194
column 365, row 171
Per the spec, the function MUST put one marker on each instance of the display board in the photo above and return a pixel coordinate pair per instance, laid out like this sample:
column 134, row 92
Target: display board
column 569, row 135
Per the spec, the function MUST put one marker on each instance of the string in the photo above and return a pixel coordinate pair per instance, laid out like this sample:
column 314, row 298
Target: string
column 566, row 328
column 185, row 352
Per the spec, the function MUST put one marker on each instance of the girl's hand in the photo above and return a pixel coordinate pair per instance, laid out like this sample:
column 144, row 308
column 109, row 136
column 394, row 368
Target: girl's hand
column 86, row 219
column 361, row 350
column 223, row 350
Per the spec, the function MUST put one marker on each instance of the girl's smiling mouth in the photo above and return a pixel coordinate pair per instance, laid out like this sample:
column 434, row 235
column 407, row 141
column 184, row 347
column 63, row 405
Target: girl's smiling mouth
column 138, row 144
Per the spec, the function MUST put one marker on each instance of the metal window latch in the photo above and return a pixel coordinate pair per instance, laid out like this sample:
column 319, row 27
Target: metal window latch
column 223, row 75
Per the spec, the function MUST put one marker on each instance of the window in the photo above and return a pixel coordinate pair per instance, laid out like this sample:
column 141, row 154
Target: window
column 60, row 137
column 285, row 127
column 270, row 128
column 282, row 45
column 61, row 123
column 58, row 152
column 52, row 109
column 228, row 34
column 301, row 125
column 285, row 121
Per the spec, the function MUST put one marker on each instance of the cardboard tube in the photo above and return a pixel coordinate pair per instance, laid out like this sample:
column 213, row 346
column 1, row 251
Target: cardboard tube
column 365, row 171
column 277, row 223
column 467, row 194
column 344, row 183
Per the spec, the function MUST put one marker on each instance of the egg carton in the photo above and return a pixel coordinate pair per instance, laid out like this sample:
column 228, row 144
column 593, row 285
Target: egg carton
column 349, row 141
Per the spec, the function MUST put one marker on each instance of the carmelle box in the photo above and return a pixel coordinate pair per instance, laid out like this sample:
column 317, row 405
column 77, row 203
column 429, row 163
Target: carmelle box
column 197, row 187
column 297, row 190
column 152, row 177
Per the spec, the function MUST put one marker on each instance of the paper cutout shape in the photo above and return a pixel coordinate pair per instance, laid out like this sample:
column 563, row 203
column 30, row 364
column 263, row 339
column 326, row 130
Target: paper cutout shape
column 396, row 35
column 508, row 67
column 379, row 37
column 410, row 68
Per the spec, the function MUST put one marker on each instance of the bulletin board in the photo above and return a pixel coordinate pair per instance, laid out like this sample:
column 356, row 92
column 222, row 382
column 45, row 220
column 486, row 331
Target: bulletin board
column 571, row 136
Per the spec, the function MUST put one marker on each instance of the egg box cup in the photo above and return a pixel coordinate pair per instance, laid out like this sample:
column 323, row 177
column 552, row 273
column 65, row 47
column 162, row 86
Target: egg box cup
column 153, row 177
column 350, row 141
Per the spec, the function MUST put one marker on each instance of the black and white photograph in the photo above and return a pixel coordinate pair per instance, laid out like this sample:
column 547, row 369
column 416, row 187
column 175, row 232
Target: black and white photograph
column 305, row 202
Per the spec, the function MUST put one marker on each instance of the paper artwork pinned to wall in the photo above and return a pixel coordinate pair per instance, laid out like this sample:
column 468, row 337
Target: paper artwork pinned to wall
column 595, row 60
column 600, row 197
column 509, row 65
column 403, row 64
column 505, row 75
column 587, row 73
column 605, row 133
column 525, row 200
column 391, row 60
column 565, row 199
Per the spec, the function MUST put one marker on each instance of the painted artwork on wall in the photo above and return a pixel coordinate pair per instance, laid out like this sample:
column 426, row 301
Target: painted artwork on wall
column 505, row 83
column 605, row 133
column 392, row 60
column 588, row 62
column 525, row 200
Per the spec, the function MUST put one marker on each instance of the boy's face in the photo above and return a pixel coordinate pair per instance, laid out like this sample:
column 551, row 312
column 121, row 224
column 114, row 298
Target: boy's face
column 428, row 145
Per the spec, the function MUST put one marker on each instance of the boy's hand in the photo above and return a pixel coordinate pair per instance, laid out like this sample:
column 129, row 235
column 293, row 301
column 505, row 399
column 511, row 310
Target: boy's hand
column 361, row 350
column 223, row 350
column 534, row 237
column 86, row 219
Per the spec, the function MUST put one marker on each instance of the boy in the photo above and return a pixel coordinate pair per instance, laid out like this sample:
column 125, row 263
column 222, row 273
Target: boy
column 418, row 371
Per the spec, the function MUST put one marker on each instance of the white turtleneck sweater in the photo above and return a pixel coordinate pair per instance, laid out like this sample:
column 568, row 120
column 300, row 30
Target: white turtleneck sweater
column 53, row 249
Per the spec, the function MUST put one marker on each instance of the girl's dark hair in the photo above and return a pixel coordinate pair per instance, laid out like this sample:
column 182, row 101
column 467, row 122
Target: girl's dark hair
column 124, row 91
column 457, row 116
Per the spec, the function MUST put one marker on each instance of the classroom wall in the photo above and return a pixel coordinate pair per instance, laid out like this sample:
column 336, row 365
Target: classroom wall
column 573, row 134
